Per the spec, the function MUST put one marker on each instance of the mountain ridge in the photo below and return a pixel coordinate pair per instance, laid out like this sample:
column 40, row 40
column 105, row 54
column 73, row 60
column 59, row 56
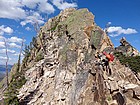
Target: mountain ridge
column 61, row 67
column 2, row 68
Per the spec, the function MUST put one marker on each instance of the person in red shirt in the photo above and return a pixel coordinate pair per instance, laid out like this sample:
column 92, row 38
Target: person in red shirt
column 108, row 62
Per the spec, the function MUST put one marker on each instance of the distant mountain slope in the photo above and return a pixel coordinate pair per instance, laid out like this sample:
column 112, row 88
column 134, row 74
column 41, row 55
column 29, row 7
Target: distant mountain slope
column 2, row 68
column 1, row 76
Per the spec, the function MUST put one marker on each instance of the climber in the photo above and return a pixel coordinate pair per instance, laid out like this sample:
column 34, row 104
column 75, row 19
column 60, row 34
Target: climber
column 98, row 57
column 108, row 61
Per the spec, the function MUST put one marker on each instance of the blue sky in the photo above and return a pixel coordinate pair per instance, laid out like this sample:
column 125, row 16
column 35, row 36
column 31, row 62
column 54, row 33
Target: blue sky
column 18, row 16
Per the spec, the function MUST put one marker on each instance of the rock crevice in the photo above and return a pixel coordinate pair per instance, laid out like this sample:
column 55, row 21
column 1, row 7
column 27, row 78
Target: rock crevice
column 68, row 73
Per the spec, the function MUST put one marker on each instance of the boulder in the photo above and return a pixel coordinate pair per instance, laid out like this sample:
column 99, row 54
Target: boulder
column 137, row 92
column 113, row 86
column 130, row 86
column 119, row 98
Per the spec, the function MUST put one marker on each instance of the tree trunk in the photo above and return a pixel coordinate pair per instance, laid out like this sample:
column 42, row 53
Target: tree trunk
column 7, row 82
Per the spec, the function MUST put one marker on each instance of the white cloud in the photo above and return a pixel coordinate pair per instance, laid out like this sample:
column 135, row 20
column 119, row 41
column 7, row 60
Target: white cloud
column 116, row 31
column 30, row 10
column 28, row 28
column 46, row 7
column 4, row 29
column 17, row 54
column 1, row 37
column 2, row 51
column 109, row 22
column 1, row 32
column 13, row 45
column 10, row 51
column 15, row 9
column 12, row 9
column 11, row 42
column 34, row 17
column 30, row 3
column 15, row 40
column 2, row 44
column 3, row 58
column 40, row 5
column 61, row 4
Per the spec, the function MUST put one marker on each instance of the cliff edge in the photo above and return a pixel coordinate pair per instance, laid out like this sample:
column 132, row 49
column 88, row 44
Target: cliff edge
column 61, row 68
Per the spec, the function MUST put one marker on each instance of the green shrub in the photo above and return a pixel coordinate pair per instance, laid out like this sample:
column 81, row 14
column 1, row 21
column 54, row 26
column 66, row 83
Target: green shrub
column 39, row 56
column 109, row 98
column 18, row 80
column 132, row 62
column 53, row 28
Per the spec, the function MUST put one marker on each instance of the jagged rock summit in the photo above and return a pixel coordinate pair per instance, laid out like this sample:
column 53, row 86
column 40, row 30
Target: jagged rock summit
column 126, row 48
column 67, row 73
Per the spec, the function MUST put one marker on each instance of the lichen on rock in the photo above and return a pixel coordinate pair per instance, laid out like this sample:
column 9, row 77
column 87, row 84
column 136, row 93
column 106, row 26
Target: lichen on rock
column 68, row 74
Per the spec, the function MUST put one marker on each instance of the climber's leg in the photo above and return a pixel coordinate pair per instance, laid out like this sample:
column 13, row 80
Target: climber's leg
column 110, row 68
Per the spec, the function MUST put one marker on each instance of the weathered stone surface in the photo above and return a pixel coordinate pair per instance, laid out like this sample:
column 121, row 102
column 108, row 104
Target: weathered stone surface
column 68, row 74
column 130, row 86
column 119, row 98
column 137, row 92
column 113, row 85
column 126, row 48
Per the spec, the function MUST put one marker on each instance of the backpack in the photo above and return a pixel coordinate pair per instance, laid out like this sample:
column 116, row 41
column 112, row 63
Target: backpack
column 108, row 56
column 111, row 57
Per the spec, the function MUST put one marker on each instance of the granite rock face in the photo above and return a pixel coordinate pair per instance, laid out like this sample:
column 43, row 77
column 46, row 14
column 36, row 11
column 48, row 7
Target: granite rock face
column 69, row 74
column 126, row 48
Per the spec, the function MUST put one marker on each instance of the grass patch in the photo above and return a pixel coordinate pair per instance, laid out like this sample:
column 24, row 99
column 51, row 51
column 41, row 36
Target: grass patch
column 53, row 28
column 39, row 56
column 18, row 80
column 132, row 62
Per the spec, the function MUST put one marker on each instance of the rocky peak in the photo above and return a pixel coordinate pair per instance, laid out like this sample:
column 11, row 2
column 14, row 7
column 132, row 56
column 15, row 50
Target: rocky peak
column 126, row 48
column 124, row 42
column 68, row 74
